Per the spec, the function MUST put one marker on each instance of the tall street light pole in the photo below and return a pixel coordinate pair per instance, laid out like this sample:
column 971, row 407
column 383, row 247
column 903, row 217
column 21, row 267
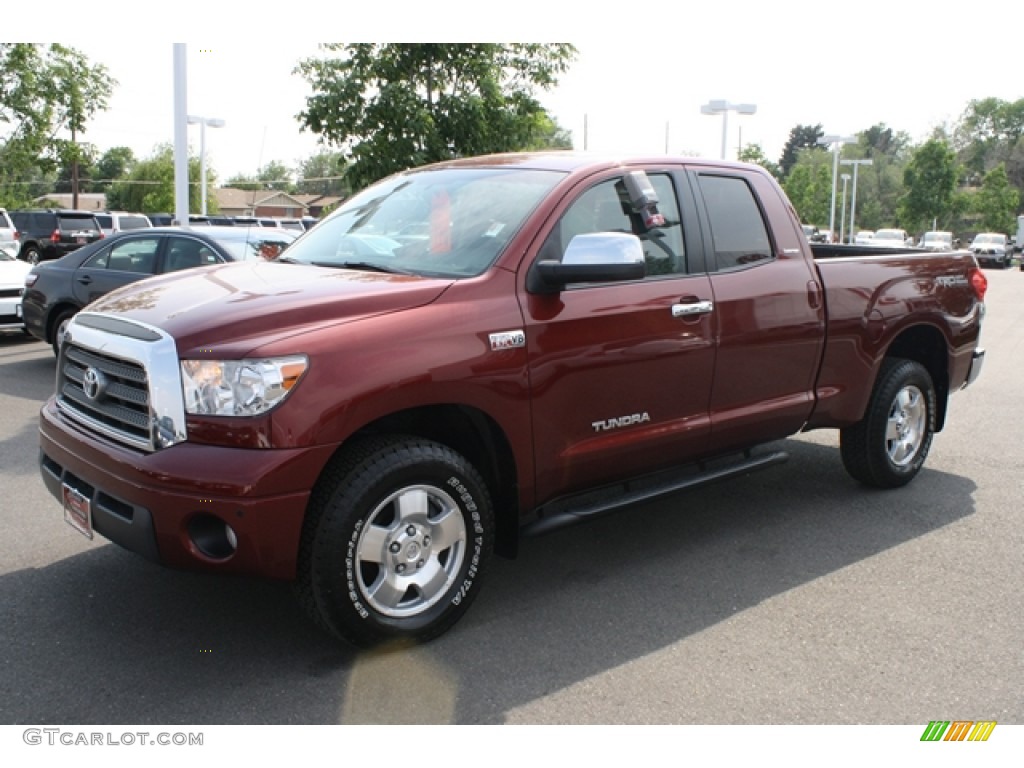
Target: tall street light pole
column 853, row 201
column 842, row 209
column 723, row 108
column 837, row 144
column 213, row 122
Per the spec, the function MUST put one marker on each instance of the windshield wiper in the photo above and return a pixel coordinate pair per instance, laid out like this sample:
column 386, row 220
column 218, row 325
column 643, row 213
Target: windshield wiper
column 363, row 265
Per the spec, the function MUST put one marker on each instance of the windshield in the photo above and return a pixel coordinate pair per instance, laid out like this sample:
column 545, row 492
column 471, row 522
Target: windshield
column 446, row 222
column 889, row 234
column 1000, row 239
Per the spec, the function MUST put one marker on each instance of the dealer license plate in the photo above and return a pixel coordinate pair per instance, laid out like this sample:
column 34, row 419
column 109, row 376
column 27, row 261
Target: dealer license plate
column 77, row 511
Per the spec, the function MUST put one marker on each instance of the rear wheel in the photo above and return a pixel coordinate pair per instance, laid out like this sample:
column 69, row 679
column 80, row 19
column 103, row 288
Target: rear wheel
column 888, row 447
column 31, row 254
column 398, row 536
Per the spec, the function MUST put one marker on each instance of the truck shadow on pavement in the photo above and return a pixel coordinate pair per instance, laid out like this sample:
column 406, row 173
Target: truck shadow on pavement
column 105, row 637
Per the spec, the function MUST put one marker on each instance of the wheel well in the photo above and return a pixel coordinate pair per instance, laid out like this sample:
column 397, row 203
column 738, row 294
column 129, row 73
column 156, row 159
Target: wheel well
column 51, row 321
column 25, row 245
column 926, row 345
column 478, row 438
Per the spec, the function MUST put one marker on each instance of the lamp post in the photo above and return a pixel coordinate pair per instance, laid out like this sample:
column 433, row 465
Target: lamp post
column 723, row 108
column 213, row 122
column 842, row 209
column 853, row 200
column 837, row 144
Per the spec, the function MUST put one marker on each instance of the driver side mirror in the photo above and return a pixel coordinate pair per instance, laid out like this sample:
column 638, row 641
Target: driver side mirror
column 597, row 257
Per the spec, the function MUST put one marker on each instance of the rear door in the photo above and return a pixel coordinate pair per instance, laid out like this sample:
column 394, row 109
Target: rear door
column 769, row 319
column 126, row 260
column 620, row 375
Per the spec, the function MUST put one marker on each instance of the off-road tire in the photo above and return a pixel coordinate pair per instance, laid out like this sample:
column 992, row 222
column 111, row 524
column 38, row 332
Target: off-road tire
column 398, row 535
column 888, row 447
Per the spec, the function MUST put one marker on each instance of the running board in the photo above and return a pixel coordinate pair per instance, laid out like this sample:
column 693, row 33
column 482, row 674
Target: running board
column 576, row 509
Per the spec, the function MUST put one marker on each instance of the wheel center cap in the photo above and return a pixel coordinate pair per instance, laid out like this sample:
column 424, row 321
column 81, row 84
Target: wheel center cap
column 412, row 551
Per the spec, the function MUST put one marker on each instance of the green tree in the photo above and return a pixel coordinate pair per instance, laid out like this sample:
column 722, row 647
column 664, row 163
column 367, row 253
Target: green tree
column 273, row 175
column 394, row 106
column 809, row 188
column 753, row 153
column 801, row 137
column 48, row 93
column 987, row 133
column 996, row 202
column 930, row 182
column 115, row 163
column 86, row 159
column 149, row 187
column 323, row 174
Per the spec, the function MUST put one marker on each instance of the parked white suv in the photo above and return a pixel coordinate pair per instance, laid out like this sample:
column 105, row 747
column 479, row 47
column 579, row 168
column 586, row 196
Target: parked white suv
column 119, row 221
column 8, row 234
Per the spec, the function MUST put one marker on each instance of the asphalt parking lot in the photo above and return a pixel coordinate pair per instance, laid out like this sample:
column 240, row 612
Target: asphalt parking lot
column 789, row 596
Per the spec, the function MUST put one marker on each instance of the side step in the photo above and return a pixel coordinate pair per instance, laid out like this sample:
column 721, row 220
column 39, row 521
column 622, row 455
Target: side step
column 570, row 510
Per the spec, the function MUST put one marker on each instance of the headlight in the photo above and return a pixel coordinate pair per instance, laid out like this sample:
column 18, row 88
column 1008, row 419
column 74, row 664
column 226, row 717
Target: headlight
column 239, row 387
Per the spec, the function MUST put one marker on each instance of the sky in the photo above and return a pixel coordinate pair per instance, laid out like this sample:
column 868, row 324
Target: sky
column 637, row 85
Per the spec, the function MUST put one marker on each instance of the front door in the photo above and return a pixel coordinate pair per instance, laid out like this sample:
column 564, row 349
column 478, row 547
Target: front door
column 620, row 373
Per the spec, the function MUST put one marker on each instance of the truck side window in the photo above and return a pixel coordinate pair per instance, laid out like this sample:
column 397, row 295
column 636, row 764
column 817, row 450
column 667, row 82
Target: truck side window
column 605, row 208
column 738, row 231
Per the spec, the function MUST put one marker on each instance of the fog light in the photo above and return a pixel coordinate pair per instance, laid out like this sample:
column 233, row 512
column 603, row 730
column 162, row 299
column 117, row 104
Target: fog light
column 212, row 536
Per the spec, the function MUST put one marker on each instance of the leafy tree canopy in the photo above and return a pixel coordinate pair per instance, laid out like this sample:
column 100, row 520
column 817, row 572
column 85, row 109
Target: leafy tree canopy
column 48, row 93
column 996, row 202
column 149, row 187
column 801, row 137
column 394, row 106
column 273, row 175
column 753, row 153
column 930, row 182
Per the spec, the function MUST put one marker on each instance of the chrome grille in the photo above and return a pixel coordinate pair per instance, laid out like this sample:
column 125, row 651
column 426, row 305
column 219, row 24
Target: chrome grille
column 121, row 379
column 123, row 404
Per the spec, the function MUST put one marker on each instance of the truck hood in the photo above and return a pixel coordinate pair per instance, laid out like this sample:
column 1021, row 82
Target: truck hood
column 251, row 303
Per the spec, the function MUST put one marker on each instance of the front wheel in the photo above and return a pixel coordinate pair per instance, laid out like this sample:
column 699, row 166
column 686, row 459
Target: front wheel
column 887, row 448
column 398, row 535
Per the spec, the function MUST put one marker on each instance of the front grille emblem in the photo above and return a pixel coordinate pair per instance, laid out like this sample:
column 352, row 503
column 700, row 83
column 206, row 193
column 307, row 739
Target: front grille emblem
column 94, row 384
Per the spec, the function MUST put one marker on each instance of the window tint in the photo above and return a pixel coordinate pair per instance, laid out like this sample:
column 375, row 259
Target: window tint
column 136, row 255
column 104, row 221
column 605, row 208
column 186, row 253
column 72, row 223
column 738, row 232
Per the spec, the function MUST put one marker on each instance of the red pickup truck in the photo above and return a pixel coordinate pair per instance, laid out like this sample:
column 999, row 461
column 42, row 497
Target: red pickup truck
column 486, row 348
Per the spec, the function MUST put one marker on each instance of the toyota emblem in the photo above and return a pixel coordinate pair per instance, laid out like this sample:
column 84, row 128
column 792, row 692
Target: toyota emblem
column 93, row 384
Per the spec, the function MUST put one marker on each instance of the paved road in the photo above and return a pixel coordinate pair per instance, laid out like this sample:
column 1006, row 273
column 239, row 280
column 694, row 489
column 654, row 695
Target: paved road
column 791, row 596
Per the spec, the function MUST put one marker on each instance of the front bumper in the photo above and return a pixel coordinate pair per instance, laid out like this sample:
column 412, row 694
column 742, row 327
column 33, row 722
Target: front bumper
column 160, row 504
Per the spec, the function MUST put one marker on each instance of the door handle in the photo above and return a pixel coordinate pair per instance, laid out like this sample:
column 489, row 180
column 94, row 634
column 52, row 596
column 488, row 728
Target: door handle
column 692, row 308
column 85, row 280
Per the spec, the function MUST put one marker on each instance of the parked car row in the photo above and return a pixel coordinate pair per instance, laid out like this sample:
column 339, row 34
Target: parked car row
column 299, row 225
column 56, row 290
column 44, row 234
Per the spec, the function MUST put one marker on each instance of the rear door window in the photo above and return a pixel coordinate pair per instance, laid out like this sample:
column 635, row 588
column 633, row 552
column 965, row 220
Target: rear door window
column 738, row 232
